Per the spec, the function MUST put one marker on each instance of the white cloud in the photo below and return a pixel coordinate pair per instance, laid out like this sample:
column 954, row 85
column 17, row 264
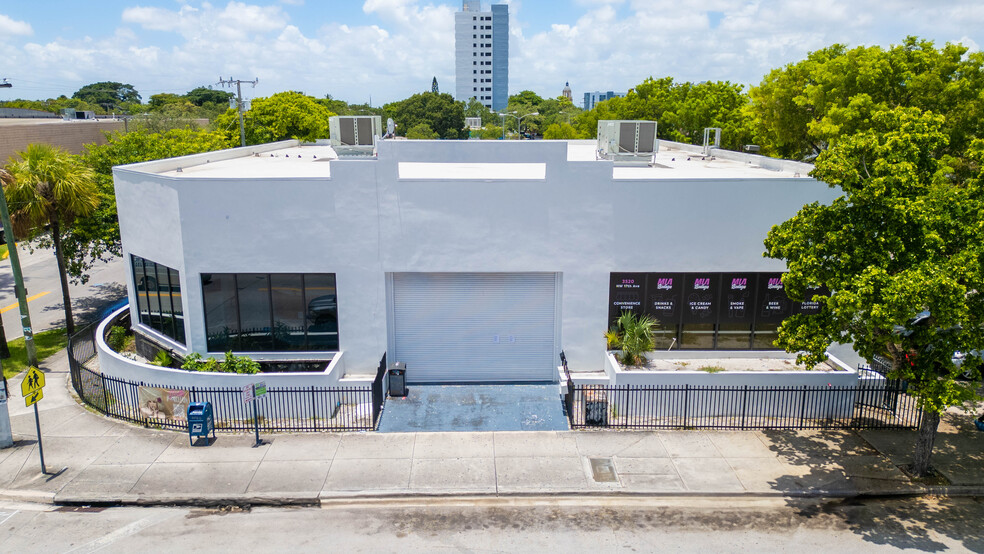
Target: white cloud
column 395, row 49
column 9, row 26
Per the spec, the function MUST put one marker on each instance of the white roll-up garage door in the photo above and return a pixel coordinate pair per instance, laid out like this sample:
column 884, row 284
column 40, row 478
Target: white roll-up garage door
column 475, row 327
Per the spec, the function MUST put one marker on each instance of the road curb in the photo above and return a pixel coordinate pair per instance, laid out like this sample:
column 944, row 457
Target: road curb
column 337, row 499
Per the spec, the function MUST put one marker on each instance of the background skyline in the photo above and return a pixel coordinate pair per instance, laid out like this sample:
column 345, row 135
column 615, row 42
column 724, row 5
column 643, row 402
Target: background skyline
column 391, row 49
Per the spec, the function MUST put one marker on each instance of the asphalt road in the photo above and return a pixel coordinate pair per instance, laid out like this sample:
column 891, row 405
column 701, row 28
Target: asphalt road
column 517, row 525
column 106, row 285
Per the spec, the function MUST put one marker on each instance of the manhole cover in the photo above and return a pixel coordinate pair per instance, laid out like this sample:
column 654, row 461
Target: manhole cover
column 603, row 470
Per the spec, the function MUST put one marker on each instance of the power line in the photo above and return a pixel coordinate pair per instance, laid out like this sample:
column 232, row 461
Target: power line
column 239, row 102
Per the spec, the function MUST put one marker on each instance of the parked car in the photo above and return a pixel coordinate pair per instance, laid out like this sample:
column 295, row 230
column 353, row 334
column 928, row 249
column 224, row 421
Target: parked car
column 971, row 371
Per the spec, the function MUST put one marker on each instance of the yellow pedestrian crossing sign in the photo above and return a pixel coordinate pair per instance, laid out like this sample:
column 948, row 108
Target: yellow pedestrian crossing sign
column 33, row 383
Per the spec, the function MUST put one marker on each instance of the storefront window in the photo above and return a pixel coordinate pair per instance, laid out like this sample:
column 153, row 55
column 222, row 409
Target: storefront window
column 724, row 311
column 158, row 291
column 261, row 312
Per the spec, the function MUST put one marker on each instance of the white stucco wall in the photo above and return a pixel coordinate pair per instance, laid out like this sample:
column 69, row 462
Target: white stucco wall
column 362, row 221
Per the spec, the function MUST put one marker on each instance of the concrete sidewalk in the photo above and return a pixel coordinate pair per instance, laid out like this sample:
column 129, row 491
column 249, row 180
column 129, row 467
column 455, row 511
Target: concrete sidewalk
column 100, row 460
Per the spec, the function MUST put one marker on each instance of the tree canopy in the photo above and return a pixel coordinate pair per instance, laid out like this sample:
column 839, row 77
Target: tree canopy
column 438, row 110
column 108, row 93
column 799, row 110
column 682, row 110
column 904, row 238
column 282, row 116
column 96, row 236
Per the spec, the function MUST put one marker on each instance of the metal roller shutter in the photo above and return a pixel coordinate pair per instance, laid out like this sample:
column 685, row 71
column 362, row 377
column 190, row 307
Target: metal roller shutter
column 475, row 327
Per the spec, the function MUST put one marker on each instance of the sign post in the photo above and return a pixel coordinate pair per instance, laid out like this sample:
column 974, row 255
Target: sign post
column 32, row 387
column 6, row 435
column 251, row 393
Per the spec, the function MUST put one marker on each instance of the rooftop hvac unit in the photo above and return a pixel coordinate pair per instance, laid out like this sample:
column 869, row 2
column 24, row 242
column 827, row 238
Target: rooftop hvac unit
column 354, row 135
column 627, row 140
column 69, row 114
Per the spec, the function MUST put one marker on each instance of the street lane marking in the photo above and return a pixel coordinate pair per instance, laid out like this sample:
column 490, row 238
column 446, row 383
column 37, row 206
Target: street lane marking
column 29, row 298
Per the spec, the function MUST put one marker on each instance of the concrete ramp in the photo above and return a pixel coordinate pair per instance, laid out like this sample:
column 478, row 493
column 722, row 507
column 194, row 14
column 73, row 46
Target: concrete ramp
column 475, row 408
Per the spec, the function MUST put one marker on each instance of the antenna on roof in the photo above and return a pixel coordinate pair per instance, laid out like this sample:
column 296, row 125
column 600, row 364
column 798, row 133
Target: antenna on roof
column 239, row 95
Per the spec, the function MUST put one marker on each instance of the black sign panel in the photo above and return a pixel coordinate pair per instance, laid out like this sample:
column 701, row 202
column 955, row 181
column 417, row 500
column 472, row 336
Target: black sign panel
column 625, row 293
column 737, row 298
column 773, row 305
column 663, row 292
column 700, row 297
column 809, row 306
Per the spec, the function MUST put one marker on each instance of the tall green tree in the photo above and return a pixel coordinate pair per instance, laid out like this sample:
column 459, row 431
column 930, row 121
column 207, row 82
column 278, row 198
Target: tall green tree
column 801, row 109
column 438, row 110
column 201, row 96
column 904, row 238
column 96, row 236
column 50, row 189
column 108, row 94
column 682, row 110
column 284, row 115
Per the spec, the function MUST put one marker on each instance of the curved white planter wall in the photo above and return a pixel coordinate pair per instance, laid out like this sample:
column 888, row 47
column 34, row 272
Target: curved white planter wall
column 112, row 364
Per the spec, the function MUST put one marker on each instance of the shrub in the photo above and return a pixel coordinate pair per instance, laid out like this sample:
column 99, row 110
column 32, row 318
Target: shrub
column 163, row 359
column 635, row 337
column 240, row 364
column 711, row 368
column 231, row 364
column 117, row 338
column 612, row 338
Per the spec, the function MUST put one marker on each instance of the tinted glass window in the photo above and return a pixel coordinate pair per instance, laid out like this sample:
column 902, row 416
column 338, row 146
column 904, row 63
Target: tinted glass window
column 322, row 311
column 710, row 310
column 221, row 311
column 270, row 312
column 158, row 292
column 288, row 311
column 140, row 281
column 255, row 321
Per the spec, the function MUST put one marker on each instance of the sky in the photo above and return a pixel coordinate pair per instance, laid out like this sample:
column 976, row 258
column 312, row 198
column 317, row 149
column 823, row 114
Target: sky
column 384, row 50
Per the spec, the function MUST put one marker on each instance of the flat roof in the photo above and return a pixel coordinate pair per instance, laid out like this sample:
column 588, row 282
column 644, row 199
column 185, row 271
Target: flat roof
column 292, row 160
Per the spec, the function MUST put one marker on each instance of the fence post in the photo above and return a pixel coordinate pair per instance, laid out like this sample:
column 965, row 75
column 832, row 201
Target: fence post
column 314, row 408
column 686, row 403
column 136, row 400
column 102, row 379
column 803, row 408
column 744, row 405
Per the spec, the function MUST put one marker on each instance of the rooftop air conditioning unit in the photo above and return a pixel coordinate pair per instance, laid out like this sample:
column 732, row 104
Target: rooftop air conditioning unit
column 630, row 141
column 354, row 135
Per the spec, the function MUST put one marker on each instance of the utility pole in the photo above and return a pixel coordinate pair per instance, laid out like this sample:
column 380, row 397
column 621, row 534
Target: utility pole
column 8, row 233
column 32, row 353
column 239, row 101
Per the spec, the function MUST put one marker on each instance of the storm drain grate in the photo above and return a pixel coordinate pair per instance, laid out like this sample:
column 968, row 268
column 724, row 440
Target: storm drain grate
column 603, row 470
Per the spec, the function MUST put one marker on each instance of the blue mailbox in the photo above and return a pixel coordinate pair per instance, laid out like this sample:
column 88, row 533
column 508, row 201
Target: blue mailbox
column 201, row 422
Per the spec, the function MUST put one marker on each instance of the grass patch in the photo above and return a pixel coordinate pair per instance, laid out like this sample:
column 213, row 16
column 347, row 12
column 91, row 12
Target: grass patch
column 47, row 343
column 711, row 368
column 3, row 252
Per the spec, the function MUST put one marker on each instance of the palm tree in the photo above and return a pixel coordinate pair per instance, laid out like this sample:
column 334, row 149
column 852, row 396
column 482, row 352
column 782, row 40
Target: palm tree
column 50, row 188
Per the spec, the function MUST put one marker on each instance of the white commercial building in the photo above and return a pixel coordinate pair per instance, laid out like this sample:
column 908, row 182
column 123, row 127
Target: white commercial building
column 470, row 261
column 481, row 54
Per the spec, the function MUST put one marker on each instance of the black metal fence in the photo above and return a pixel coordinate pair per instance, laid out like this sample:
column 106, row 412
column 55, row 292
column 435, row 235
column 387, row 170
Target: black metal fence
column 880, row 405
column 280, row 409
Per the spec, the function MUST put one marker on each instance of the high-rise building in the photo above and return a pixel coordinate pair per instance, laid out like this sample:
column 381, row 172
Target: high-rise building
column 481, row 45
column 592, row 98
column 566, row 93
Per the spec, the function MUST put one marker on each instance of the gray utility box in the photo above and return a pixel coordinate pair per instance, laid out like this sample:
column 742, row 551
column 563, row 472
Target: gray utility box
column 398, row 379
